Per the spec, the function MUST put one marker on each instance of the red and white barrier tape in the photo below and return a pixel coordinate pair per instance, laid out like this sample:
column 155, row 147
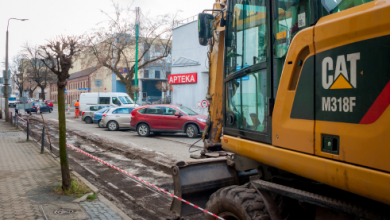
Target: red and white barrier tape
column 147, row 183
column 23, row 120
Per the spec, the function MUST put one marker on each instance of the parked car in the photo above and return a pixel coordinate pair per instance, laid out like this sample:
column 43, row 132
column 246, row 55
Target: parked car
column 12, row 101
column 167, row 119
column 117, row 118
column 42, row 107
column 97, row 117
column 117, row 99
column 87, row 114
column 49, row 103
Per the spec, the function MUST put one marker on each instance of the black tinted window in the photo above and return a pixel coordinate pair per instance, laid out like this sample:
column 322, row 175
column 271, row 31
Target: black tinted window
column 153, row 110
column 104, row 100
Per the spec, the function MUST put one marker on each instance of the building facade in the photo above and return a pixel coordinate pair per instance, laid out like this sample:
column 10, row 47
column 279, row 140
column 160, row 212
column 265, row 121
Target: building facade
column 190, row 74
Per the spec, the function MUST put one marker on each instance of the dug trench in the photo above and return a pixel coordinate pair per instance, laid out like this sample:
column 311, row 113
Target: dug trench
column 137, row 200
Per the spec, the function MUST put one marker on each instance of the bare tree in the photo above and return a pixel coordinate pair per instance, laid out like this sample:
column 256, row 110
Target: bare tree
column 113, row 45
column 163, row 87
column 58, row 55
column 17, row 70
column 37, row 71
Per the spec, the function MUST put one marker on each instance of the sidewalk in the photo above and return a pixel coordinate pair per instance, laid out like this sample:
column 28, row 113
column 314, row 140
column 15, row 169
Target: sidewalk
column 27, row 179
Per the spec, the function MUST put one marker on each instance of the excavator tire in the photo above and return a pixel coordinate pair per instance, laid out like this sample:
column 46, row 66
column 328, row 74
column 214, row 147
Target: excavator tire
column 237, row 202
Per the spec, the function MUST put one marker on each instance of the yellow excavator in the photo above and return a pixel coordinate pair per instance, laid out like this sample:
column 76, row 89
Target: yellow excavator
column 299, row 116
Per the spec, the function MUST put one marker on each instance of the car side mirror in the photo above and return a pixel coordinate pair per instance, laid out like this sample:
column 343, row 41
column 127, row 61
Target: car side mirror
column 205, row 28
column 178, row 114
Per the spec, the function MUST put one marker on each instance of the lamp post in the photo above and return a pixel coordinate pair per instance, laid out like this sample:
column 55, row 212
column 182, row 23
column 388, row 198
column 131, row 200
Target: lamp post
column 6, row 71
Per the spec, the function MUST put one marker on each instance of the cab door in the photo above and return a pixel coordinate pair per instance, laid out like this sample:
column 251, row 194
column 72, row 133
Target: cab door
column 247, row 77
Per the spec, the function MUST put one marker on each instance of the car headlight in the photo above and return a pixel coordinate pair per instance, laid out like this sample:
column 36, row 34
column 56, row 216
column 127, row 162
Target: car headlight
column 202, row 119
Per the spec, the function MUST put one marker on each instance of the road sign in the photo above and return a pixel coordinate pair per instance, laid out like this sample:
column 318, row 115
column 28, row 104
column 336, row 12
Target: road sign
column 204, row 104
column 9, row 74
column 199, row 105
column 105, row 89
column 65, row 91
column 98, row 82
column 85, row 89
column 9, row 90
column 1, row 80
column 16, row 93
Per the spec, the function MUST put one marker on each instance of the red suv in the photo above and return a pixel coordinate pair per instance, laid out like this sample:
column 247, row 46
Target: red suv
column 49, row 103
column 167, row 119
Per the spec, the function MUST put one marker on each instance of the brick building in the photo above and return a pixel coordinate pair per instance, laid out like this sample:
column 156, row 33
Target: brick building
column 76, row 81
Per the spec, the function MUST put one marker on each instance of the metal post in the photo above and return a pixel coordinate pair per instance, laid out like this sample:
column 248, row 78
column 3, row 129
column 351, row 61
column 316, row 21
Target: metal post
column 6, row 78
column 43, row 140
column 11, row 117
column 136, row 54
column 17, row 120
column 28, row 128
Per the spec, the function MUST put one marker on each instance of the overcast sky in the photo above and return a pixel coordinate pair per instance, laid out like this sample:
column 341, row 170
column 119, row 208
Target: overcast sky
column 49, row 18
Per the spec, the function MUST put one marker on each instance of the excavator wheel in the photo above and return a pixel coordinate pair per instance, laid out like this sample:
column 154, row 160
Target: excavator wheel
column 237, row 203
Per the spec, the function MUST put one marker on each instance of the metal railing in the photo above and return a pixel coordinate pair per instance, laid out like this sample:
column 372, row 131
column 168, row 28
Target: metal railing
column 185, row 21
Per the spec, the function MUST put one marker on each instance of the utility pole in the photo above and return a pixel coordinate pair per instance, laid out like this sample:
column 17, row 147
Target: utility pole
column 136, row 54
column 6, row 71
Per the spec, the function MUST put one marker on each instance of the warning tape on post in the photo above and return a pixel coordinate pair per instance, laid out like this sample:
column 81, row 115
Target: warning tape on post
column 23, row 120
column 143, row 181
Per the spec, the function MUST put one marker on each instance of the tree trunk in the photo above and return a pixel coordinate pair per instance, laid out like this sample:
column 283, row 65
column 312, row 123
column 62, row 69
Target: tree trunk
column 62, row 134
column 129, row 90
column 43, row 93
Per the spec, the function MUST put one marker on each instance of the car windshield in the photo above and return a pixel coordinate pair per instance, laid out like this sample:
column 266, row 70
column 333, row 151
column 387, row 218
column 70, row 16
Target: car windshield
column 11, row 99
column 125, row 99
column 187, row 111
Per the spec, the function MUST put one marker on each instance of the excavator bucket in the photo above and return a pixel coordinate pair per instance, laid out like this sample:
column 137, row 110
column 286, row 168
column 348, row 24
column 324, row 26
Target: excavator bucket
column 196, row 180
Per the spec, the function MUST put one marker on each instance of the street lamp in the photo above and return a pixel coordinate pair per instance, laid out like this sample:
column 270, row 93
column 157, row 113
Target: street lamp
column 6, row 71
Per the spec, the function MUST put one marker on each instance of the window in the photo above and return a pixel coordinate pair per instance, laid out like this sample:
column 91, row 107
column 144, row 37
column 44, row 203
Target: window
column 104, row 100
column 125, row 99
column 246, row 42
column 142, row 111
column 146, row 73
column 330, row 7
column 122, row 111
column 116, row 101
column 187, row 111
column 247, row 102
column 157, row 74
column 153, row 111
column 169, row 111
column 158, row 48
column 94, row 108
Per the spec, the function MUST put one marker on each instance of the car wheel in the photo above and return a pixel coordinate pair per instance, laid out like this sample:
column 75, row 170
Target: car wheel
column 143, row 130
column 112, row 126
column 100, row 124
column 192, row 131
column 88, row 120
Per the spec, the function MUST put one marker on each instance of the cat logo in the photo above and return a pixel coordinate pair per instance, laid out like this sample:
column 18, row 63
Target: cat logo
column 340, row 79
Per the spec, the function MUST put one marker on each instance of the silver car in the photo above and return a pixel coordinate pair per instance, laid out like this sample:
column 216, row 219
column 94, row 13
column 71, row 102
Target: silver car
column 87, row 114
column 117, row 118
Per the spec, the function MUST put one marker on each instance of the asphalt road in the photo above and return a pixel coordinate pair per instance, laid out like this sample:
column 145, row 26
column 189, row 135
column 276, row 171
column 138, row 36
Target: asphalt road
column 173, row 146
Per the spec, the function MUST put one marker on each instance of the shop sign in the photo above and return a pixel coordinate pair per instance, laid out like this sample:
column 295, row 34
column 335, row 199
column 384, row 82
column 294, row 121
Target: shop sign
column 182, row 78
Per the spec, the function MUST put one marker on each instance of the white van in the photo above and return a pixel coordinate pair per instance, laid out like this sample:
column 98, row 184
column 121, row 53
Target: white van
column 12, row 101
column 113, row 98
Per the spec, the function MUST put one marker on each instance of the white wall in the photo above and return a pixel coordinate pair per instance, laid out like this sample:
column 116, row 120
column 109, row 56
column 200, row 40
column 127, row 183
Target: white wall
column 185, row 44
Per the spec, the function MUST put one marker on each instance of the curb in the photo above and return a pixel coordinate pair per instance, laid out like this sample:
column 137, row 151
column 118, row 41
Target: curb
column 90, row 185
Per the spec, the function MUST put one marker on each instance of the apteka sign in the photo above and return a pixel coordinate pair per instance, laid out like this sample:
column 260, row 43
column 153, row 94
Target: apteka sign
column 183, row 78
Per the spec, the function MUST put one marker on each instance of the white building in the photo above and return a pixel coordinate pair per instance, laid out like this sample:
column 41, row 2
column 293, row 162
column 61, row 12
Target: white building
column 190, row 74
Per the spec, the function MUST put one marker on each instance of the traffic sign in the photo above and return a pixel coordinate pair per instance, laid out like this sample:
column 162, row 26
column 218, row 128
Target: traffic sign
column 204, row 104
column 98, row 82
column 65, row 91
column 9, row 90
column 199, row 105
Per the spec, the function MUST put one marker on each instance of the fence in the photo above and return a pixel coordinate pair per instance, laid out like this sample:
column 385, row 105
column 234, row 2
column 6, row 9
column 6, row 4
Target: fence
column 185, row 21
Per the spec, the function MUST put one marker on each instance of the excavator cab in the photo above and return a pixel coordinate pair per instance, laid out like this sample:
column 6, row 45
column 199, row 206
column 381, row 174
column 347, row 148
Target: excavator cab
column 295, row 98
